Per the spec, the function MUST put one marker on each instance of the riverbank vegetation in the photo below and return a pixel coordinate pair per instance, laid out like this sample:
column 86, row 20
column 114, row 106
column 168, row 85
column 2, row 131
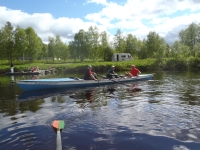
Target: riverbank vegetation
column 25, row 49
column 145, row 65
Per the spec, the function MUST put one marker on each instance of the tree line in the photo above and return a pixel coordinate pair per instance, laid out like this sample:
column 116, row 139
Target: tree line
column 91, row 44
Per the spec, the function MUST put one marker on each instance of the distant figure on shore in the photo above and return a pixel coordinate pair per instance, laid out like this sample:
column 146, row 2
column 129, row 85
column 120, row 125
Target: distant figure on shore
column 22, row 71
column 12, row 67
column 37, row 68
column 32, row 69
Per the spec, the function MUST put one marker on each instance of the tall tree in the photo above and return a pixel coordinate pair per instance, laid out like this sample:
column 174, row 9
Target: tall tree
column 64, row 52
column 58, row 46
column 131, row 45
column 190, row 37
column 119, row 42
column 161, row 49
column 7, row 41
column 73, row 50
column 34, row 44
column 1, row 45
column 197, row 50
column 154, row 45
column 21, row 42
column 51, row 48
column 44, row 52
column 82, row 44
column 142, row 53
column 93, row 37
column 108, row 53
column 104, row 45
column 179, row 50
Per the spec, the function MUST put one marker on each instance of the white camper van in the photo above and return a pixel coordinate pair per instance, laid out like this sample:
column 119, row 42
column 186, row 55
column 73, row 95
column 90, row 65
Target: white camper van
column 122, row 56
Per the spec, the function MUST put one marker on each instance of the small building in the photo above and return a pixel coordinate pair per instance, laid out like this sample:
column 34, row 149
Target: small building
column 122, row 57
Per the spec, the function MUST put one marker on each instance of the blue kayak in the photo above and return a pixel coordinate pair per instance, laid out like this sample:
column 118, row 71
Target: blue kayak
column 58, row 83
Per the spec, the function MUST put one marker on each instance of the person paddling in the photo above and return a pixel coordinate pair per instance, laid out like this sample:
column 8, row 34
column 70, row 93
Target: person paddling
column 134, row 72
column 89, row 75
column 111, row 73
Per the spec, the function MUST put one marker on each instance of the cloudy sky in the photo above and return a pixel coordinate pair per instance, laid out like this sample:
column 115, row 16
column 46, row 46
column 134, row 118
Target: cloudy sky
column 67, row 17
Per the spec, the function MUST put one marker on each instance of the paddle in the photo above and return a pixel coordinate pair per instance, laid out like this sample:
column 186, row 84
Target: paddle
column 58, row 124
column 133, row 89
column 113, row 80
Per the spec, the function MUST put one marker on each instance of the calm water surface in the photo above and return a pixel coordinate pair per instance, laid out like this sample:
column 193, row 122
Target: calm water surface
column 164, row 115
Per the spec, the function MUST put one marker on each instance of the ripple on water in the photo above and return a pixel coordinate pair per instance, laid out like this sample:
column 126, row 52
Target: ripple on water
column 165, row 113
column 25, row 136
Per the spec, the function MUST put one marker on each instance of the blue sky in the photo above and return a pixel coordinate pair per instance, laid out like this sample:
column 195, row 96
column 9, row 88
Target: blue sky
column 67, row 17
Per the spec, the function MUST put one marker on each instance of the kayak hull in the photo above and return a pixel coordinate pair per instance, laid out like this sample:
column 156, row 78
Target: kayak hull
column 55, row 83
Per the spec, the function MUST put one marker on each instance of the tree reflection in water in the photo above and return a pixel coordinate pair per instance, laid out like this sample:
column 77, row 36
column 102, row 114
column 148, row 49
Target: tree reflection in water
column 32, row 100
column 32, row 106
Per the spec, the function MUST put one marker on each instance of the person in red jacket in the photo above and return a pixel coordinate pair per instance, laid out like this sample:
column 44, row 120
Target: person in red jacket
column 89, row 75
column 134, row 72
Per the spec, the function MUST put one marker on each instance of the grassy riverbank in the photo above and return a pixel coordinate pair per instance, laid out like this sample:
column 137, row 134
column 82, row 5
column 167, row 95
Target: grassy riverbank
column 76, row 66
column 100, row 66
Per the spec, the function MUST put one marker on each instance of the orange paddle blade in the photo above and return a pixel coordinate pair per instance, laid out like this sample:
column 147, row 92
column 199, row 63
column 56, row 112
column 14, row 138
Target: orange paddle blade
column 58, row 124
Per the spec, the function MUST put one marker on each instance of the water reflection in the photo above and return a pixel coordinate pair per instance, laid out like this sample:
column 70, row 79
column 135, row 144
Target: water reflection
column 57, row 94
column 40, row 94
column 85, row 94
column 12, row 107
column 31, row 106
column 88, row 95
column 111, row 90
column 163, row 114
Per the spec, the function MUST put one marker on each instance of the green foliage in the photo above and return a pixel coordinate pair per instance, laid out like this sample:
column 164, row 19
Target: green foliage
column 93, row 39
column 132, row 45
column 34, row 44
column 155, row 46
column 21, row 43
column 103, row 44
column 51, row 48
column 190, row 37
column 44, row 53
column 142, row 54
column 82, row 44
column 92, row 45
column 72, row 50
column 197, row 50
column 119, row 42
column 7, row 41
column 108, row 54
column 64, row 52
column 174, row 64
column 194, row 63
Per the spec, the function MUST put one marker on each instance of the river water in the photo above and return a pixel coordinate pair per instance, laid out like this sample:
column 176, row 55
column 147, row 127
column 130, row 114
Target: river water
column 164, row 115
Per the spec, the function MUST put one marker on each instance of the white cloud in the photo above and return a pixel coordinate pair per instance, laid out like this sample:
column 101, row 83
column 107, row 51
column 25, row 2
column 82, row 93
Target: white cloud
column 44, row 24
column 102, row 2
column 159, row 12
column 129, row 17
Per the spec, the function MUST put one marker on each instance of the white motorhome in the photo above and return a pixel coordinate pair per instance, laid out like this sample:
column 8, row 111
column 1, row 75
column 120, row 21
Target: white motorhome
column 122, row 56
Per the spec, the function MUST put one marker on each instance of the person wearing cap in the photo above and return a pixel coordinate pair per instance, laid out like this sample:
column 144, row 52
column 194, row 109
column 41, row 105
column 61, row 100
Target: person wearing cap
column 134, row 71
column 111, row 73
column 89, row 75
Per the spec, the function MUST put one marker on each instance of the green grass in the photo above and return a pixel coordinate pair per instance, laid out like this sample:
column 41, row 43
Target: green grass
column 149, row 64
column 70, row 64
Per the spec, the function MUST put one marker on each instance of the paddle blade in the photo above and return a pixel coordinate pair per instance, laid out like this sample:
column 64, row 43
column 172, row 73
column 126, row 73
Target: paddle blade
column 58, row 124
